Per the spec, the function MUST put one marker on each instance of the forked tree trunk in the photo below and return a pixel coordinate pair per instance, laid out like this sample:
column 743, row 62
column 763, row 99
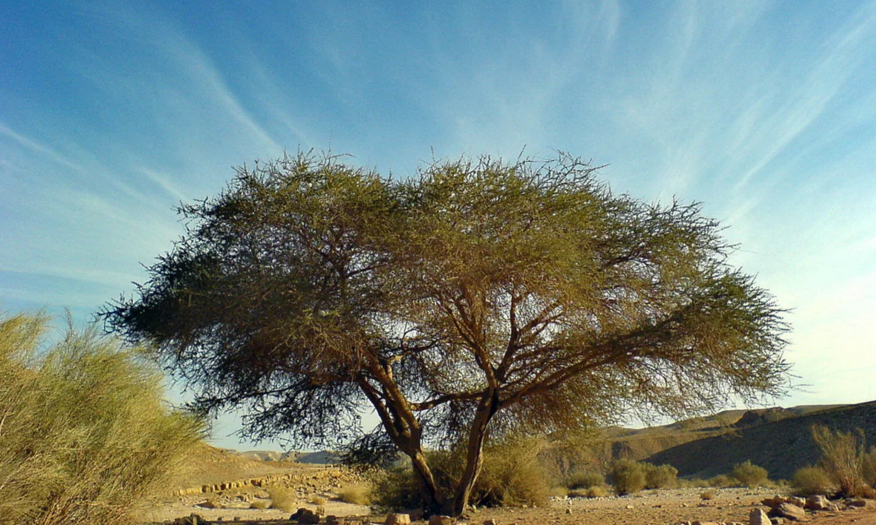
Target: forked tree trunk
column 474, row 457
column 432, row 494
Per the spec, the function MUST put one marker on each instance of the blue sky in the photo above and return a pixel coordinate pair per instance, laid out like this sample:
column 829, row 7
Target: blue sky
column 111, row 113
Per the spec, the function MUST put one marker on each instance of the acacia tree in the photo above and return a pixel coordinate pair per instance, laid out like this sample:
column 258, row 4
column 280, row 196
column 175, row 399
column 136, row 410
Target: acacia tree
column 476, row 297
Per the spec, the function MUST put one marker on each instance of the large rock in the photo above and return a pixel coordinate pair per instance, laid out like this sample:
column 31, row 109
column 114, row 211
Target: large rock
column 817, row 503
column 397, row 519
column 758, row 517
column 789, row 511
column 303, row 515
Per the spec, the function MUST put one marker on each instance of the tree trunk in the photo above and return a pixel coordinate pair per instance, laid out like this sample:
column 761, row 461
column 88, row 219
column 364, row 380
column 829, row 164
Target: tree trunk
column 432, row 496
column 474, row 459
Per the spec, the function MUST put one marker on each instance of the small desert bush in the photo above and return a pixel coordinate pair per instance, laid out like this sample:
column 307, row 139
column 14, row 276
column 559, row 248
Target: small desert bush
column 664, row 476
column 317, row 500
column 627, row 476
column 707, row 495
column 261, row 504
column 750, row 475
column 395, row 488
column 721, row 481
column 597, row 491
column 842, row 458
column 355, row 494
column 584, row 479
column 84, row 432
column 283, row 498
column 869, row 467
column 811, row 481
column 511, row 475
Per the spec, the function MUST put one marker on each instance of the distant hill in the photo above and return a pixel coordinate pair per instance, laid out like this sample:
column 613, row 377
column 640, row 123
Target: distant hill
column 321, row 457
column 778, row 440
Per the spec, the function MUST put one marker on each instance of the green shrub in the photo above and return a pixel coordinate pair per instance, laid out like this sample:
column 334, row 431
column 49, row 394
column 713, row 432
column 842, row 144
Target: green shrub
column 85, row 433
column 627, row 476
column 660, row 477
column 584, row 479
column 810, row 481
column 842, row 458
column 750, row 475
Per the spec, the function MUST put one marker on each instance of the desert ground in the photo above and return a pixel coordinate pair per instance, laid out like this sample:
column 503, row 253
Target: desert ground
column 318, row 488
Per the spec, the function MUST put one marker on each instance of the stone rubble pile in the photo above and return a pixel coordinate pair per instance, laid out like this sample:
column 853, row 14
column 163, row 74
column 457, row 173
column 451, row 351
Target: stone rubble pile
column 783, row 509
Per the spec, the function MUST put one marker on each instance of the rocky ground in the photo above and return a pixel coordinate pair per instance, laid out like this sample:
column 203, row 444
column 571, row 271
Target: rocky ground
column 678, row 506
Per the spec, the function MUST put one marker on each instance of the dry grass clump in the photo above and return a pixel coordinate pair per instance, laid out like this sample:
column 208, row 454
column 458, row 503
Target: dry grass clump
column 707, row 495
column 811, row 481
column 842, row 458
column 84, row 432
column 355, row 494
column 317, row 500
column 283, row 498
column 261, row 504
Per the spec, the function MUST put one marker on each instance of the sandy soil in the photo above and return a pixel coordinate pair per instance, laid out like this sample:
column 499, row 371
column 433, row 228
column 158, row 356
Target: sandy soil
column 648, row 508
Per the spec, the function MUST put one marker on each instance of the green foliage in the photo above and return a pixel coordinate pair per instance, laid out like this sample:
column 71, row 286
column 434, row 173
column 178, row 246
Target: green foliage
column 495, row 294
column 811, row 481
column 627, row 476
column 659, row 477
column 748, row 474
column 84, row 433
column 842, row 458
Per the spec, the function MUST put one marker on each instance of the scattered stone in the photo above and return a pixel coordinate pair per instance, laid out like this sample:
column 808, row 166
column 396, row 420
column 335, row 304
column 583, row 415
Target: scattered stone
column 397, row 519
column 490, row 522
column 800, row 502
column 773, row 502
column 192, row 519
column 758, row 517
column 303, row 515
column 856, row 503
column 817, row 503
column 568, row 510
column 435, row 519
column 790, row 511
